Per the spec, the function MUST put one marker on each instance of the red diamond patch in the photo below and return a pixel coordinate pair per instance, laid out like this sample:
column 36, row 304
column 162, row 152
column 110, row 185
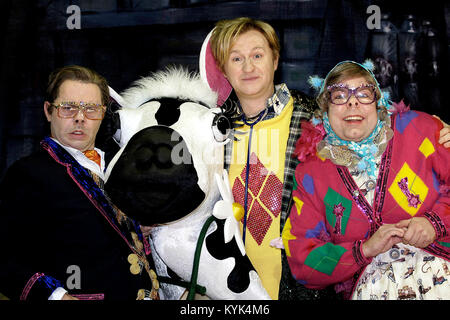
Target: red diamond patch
column 271, row 194
column 258, row 222
column 264, row 189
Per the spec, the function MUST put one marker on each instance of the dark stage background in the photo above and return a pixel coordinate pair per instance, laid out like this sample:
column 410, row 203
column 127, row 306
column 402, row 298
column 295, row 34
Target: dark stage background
column 126, row 39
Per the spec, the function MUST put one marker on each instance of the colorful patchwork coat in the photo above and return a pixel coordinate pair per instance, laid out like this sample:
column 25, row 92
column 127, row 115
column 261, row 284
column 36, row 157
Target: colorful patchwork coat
column 330, row 218
column 58, row 229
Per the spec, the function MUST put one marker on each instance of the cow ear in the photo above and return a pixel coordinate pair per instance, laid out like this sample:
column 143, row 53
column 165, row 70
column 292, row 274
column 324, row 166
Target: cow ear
column 117, row 102
column 117, row 98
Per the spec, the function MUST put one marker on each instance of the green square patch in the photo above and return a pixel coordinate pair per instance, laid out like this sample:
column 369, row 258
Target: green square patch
column 445, row 244
column 331, row 199
column 295, row 185
column 325, row 258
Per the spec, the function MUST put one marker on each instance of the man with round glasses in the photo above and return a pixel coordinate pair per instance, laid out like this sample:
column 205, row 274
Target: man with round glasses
column 70, row 109
column 60, row 236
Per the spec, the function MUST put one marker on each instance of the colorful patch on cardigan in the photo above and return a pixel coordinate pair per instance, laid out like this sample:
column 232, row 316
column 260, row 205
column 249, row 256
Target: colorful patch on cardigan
column 318, row 232
column 337, row 210
column 408, row 190
column 287, row 236
column 294, row 183
column 403, row 120
column 298, row 205
column 325, row 258
column 426, row 147
column 436, row 183
column 308, row 183
column 444, row 244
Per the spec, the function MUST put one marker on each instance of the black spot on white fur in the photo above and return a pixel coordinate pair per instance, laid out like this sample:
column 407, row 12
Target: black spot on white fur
column 239, row 278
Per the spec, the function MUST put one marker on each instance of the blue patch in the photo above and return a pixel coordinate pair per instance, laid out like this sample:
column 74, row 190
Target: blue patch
column 308, row 184
column 435, row 180
column 314, row 233
column 301, row 281
column 403, row 119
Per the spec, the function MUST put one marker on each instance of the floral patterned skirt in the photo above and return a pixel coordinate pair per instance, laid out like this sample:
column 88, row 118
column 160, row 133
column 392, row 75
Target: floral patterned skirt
column 404, row 273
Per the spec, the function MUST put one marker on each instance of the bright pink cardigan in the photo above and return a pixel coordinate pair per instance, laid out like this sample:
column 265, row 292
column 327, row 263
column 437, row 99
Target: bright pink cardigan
column 330, row 219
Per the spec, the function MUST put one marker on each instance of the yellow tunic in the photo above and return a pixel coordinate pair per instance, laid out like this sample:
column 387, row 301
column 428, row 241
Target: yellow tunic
column 265, row 185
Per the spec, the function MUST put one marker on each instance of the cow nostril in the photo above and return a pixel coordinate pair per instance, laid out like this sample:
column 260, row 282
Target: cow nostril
column 163, row 157
column 143, row 157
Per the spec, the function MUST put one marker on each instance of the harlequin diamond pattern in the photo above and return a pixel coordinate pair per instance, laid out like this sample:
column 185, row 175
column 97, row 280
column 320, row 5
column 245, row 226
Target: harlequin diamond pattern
column 264, row 197
column 257, row 170
column 415, row 189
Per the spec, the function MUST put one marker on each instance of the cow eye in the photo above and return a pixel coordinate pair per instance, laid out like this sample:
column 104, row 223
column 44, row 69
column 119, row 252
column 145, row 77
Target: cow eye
column 221, row 127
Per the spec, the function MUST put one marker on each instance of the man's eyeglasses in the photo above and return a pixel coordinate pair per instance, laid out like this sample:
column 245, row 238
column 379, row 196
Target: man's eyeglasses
column 70, row 109
column 340, row 93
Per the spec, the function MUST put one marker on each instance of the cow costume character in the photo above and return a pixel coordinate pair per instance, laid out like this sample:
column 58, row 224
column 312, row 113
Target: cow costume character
column 169, row 174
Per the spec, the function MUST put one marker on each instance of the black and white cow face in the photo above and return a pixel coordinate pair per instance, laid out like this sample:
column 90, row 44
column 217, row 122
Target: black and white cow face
column 171, row 147
column 148, row 185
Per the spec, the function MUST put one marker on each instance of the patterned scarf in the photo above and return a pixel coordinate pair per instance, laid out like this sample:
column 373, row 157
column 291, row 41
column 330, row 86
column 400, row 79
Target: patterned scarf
column 366, row 149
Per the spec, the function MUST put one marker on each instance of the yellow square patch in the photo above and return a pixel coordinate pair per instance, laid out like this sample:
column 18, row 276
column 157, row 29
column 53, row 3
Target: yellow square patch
column 415, row 187
column 287, row 236
column 426, row 147
column 298, row 205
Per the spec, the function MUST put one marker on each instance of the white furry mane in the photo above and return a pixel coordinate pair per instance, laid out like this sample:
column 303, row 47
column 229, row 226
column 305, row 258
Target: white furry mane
column 174, row 82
